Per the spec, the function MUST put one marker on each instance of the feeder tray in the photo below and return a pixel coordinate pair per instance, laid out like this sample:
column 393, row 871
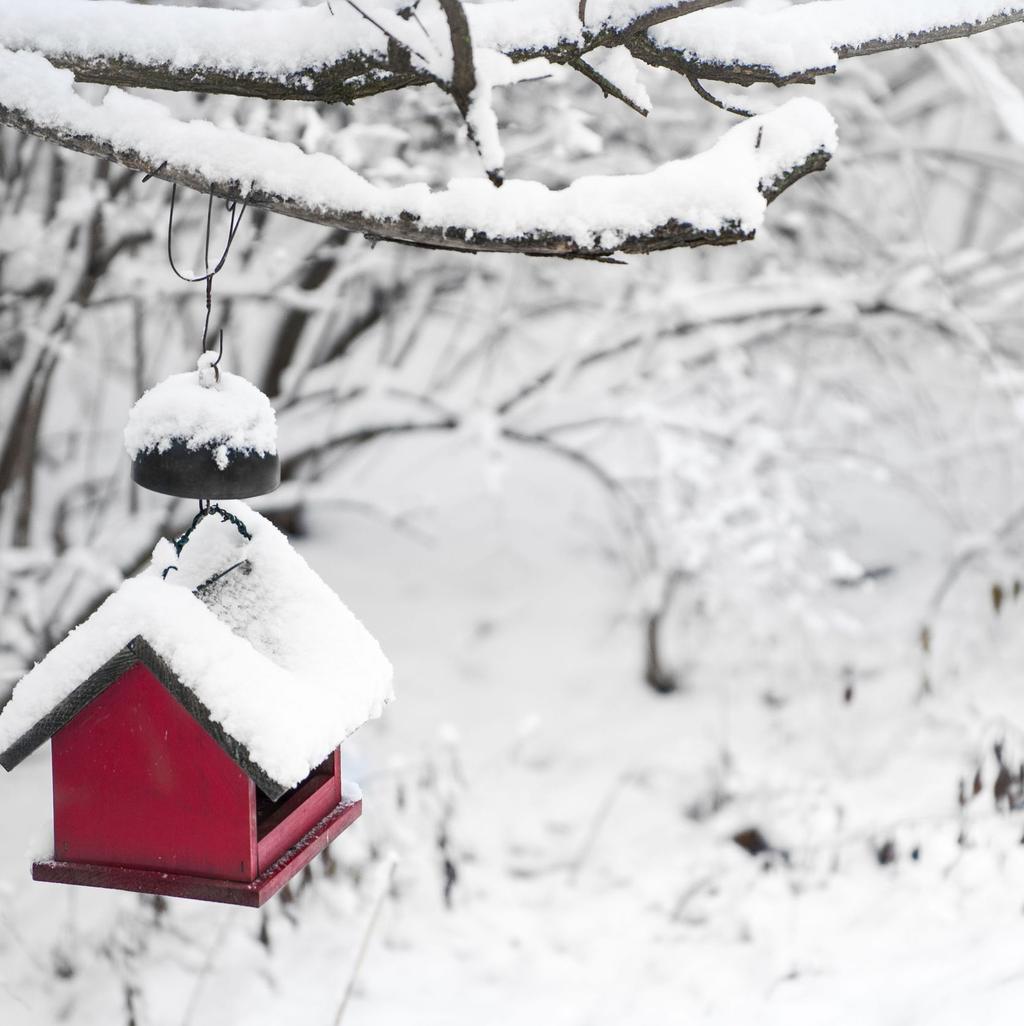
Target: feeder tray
column 195, row 473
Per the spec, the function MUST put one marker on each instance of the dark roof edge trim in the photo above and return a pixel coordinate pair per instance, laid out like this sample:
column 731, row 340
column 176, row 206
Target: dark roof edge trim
column 138, row 650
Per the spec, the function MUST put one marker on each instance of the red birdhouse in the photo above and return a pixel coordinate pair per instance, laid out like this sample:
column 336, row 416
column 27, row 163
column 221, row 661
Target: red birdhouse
column 196, row 721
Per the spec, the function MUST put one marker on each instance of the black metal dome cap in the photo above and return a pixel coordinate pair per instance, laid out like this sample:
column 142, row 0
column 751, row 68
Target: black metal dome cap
column 195, row 474
column 204, row 435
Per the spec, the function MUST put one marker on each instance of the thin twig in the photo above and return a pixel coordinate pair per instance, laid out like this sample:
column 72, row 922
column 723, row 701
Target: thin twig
column 204, row 970
column 364, row 945
column 712, row 99
column 377, row 25
column 597, row 822
column 606, row 85
column 463, row 83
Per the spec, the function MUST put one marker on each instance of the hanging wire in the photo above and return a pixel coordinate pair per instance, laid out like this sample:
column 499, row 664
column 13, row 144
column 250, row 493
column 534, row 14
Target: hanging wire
column 235, row 213
column 220, row 356
column 236, row 210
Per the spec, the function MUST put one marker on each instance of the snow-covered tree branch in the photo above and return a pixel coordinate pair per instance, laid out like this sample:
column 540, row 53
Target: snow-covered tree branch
column 718, row 197
column 347, row 51
column 358, row 50
column 805, row 41
column 339, row 55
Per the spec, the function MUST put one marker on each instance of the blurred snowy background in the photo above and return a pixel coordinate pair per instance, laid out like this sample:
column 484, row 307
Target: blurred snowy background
column 701, row 575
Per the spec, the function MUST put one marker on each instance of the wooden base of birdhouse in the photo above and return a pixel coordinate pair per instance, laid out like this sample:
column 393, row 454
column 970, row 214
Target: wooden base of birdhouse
column 180, row 885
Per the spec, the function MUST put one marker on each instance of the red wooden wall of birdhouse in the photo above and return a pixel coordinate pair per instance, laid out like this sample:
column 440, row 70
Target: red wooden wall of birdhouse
column 138, row 782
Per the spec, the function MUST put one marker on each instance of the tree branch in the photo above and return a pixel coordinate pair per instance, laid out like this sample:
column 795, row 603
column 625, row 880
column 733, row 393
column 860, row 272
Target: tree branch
column 797, row 44
column 616, row 31
column 703, row 93
column 716, row 198
column 306, row 54
column 296, row 54
column 463, row 71
column 463, row 90
column 607, row 86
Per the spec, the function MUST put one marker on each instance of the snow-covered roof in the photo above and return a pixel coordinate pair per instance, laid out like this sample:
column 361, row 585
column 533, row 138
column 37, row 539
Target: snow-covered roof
column 281, row 670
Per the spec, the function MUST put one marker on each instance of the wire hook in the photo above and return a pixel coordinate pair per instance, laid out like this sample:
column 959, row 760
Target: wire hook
column 235, row 214
column 220, row 356
column 207, row 507
column 235, row 219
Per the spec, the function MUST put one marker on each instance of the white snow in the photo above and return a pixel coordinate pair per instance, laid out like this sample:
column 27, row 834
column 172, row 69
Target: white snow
column 273, row 653
column 278, row 43
column 494, row 69
column 718, row 187
column 811, row 36
column 274, row 42
column 511, row 25
column 231, row 414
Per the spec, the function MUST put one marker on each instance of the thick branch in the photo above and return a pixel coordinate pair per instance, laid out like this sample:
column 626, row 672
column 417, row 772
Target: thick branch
column 352, row 77
column 716, row 198
column 797, row 44
column 303, row 54
column 463, row 71
column 616, row 31
column 306, row 54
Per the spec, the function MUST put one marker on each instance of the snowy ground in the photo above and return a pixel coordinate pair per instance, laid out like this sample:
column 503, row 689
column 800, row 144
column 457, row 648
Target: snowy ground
column 589, row 821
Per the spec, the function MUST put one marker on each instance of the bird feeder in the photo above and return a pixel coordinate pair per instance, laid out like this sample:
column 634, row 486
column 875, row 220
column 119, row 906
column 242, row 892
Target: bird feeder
column 206, row 434
column 197, row 717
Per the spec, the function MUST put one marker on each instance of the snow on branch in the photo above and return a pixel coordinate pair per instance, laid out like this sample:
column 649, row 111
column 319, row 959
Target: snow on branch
column 307, row 53
column 311, row 54
column 717, row 197
column 799, row 43
column 365, row 47
column 275, row 54
column 471, row 96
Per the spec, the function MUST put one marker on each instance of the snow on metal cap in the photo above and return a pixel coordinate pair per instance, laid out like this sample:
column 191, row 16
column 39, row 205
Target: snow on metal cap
column 205, row 434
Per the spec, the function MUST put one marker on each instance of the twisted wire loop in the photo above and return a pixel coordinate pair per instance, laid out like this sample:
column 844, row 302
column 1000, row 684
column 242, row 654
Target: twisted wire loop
column 208, row 508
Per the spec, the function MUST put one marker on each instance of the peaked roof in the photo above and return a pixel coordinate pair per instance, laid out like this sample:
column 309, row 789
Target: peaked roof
column 266, row 657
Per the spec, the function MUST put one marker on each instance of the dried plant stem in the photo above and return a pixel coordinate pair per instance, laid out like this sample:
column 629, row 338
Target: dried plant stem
column 387, row 875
